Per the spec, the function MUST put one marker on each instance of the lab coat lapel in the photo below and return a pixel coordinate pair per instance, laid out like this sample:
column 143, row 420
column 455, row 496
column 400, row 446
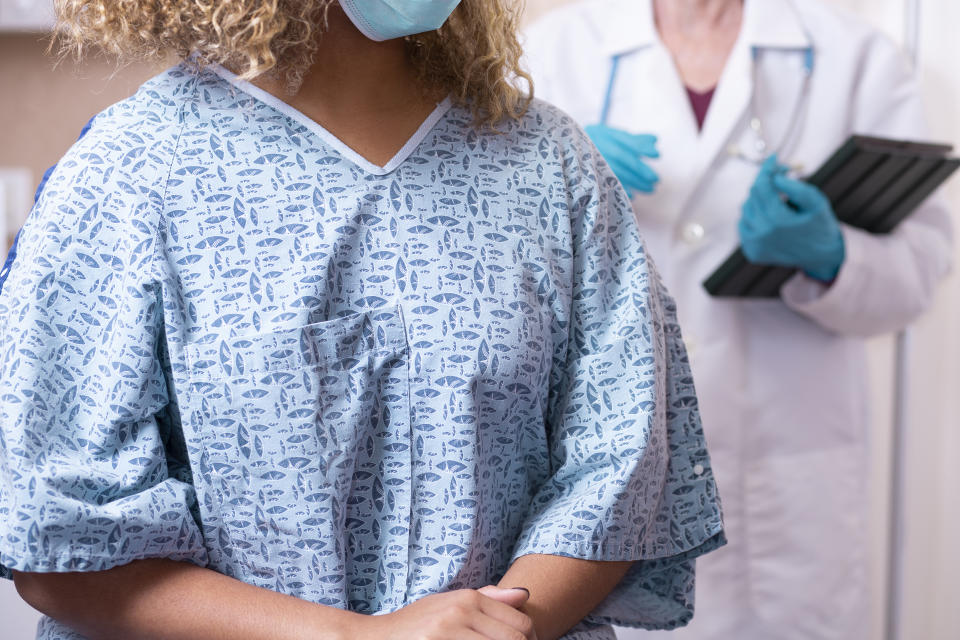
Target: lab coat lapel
column 768, row 25
column 686, row 153
column 648, row 96
column 728, row 110
column 782, row 49
column 779, row 103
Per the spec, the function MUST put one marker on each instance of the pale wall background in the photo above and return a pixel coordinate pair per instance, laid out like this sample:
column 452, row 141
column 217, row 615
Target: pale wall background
column 42, row 110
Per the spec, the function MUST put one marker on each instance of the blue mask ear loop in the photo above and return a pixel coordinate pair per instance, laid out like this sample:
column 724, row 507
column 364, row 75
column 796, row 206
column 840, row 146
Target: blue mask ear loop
column 608, row 97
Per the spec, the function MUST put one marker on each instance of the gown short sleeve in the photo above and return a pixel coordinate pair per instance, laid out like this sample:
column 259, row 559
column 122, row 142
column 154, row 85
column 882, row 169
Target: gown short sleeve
column 90, row 474
column 631, row 476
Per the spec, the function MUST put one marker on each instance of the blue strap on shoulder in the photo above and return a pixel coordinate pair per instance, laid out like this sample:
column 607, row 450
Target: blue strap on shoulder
column 12, row 254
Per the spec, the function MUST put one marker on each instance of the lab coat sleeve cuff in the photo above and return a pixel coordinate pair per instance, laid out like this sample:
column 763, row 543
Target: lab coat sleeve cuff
column 832, row 305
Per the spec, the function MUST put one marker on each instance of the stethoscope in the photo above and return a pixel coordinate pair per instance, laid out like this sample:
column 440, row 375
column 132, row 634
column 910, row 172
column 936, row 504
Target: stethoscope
column 761, row 148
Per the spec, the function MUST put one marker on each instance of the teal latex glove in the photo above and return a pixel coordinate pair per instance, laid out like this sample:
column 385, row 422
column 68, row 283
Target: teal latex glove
column 791, row 223
column 624, row 152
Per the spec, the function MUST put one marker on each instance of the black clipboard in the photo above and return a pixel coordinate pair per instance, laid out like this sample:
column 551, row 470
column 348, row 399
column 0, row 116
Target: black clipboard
column 872, row 183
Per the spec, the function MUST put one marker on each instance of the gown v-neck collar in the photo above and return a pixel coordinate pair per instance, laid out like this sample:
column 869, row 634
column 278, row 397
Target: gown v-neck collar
column 331, row 140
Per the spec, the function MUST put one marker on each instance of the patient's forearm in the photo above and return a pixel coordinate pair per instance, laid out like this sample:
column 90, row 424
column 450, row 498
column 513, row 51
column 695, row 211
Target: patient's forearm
column 167, row 600
column 562, row 590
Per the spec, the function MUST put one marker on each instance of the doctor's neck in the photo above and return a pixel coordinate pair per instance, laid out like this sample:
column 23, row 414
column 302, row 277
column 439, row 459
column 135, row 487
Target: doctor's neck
column 699, row 34
column 696, row 15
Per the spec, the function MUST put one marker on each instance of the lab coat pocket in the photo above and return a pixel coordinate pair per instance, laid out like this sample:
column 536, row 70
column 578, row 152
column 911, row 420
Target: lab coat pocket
column 805, row 535
column 299, row 427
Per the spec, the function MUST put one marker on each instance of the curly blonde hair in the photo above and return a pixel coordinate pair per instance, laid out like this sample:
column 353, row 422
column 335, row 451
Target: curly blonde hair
column 474, row 57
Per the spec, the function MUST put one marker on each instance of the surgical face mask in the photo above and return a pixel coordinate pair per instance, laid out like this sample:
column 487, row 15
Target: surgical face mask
column 388, row 19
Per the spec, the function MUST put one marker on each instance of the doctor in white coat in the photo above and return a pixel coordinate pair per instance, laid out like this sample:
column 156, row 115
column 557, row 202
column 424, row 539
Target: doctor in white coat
column 782, row 383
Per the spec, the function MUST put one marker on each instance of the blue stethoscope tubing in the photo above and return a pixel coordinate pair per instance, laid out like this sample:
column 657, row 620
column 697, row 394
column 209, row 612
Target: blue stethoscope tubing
column 608, row 96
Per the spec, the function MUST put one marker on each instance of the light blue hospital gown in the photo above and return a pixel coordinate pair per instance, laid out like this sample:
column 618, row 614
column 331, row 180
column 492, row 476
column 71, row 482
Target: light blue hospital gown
column 227, row 339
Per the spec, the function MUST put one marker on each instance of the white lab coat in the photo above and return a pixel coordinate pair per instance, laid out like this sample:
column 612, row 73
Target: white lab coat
column 782, row 383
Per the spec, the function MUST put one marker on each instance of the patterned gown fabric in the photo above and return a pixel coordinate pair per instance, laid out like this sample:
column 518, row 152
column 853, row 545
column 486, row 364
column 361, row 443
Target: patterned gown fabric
column 227, row 339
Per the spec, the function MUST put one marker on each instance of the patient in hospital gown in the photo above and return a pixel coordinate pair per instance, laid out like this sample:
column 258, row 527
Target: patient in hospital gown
column 228, row 339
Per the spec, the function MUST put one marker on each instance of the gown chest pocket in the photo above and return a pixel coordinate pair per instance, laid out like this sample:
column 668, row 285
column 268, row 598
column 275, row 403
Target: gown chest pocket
column 297, row 427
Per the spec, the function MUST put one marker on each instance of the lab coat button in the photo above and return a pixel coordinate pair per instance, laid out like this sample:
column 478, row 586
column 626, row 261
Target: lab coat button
column 698, row 470
column 692, row 233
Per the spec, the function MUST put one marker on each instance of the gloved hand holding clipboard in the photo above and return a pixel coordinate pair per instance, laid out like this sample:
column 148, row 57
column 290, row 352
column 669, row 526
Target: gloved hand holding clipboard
column 872, row 183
